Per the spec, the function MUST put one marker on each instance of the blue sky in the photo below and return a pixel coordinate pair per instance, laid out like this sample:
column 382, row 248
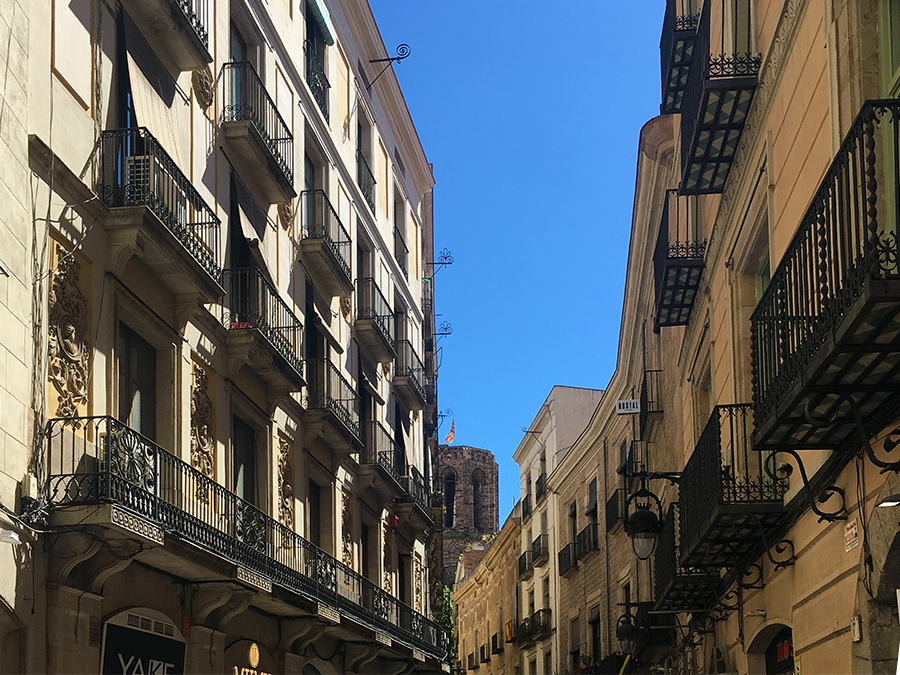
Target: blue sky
column 530, row 112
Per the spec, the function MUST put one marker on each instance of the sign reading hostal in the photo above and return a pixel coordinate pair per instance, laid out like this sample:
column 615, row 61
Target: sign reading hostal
column 141, row 641
column 246, row 657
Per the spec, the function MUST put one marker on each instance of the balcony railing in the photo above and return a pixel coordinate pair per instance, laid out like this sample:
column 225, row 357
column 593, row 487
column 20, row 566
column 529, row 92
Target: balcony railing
column 718, row 92
column 651, row 397
column 540, row 549
column 677, row 264
column 409, row 365
column 496, row 644
column 328, row 390
column 252, row 303
column 98, row 460
column 526, row 506
column 401, row 251
column 540, row 625
column 485, row 654
column 825, row 324
column 568, row 560
column 245, row 99
column 680, row 588
column 416, row 487
column 588, row 541
column 135, row 170
column 381, row 450
column 321, row 223
column 540, row 487
column 366, row 179
column 615, row 508
column 727, row 497
column 315, row 78
column 373, row 308
column 676, row 49
column 526, row 564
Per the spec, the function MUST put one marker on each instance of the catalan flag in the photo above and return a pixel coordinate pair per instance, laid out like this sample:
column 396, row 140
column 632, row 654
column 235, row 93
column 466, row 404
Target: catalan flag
column 452, row 433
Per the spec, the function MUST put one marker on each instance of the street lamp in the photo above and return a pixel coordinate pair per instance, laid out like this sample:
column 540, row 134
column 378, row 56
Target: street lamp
column 627, row 633
column 644, row 522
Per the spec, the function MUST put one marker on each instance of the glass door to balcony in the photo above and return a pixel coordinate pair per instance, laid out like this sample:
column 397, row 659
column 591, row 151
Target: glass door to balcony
column 137, row 382
column 238, row 49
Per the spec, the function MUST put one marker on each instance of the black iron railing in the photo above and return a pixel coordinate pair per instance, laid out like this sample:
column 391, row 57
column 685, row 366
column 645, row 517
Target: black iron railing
column 417, row 488
column 496, row 644
column 196, row 12
column 540, row 624
column 677, row 266
column 676, row 51
column 410, row 365
column 371, row 304
column 431, row 389
column 677, row 587
column 540, row 549
column 366, row 179
column 568, row 560
column 526, row 564
column 526, row 506
column 315, row 77
column 379, row 448
column 321, row 221
column 329, row 390
column 245, row 99
column 135, row 170
column 651, row 396
column 540, row 487
column 615, row 508
column 98, row 460
column 723, row 469
column 252, row 303
column 401, row 251
column 588, row 541
column 847, row 237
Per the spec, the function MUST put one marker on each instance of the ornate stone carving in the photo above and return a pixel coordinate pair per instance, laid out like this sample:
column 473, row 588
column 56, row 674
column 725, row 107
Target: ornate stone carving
column 203, row 457
column 417, row 580
column 388, row 584
column 285, row 483
column 347, row 535
column 286, row 215
column 69, row 349
column 346, row 308
column 203, row 83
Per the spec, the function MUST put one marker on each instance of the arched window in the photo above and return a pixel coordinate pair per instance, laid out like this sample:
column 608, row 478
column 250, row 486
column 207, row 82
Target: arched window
column 478, row 500
column 449, row 496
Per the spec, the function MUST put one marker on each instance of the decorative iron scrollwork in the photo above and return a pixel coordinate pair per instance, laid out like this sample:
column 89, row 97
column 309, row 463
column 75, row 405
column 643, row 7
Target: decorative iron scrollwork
column 69, row 350
column 823, row 496
column 752, row 577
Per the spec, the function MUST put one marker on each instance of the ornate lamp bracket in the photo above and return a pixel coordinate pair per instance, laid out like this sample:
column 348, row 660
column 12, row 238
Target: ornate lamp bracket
column 826, row 493
column 402, row 52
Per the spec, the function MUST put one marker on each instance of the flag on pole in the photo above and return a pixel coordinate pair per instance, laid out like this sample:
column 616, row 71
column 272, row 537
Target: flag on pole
column 452, row 433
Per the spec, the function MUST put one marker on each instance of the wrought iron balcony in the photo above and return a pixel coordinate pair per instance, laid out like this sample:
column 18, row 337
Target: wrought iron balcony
column 151, row 201
column 511, row 631
column 366, row 179
column 728, row 500
column 540, row 487
column 401, row 251
column 651, row 397
column 526, row 506
column 588, row 541
column 676, row 49
column 263, row 328
column 568, row 560
column 526, row 565
column 717, row 96
column 540, row 625
column 332, row 407
column 408, row 381
column 176, row 28
column 678, row 266
column 258, row 140
column 416, row 488
column 374, row 325
column 615, row 508
column 315, row 78
column 98, row 461
column 540, row 550
column 325, row 244
column 382, row 459
column 678, row 588
column 496, row 644
column 824, row 332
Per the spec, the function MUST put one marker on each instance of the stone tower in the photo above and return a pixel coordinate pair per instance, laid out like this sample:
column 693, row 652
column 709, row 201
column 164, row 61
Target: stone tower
column 467, row 479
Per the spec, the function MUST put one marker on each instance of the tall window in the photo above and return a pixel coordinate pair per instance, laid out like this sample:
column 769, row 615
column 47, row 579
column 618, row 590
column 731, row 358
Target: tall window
column 137, row 382
column 243, row 460
column 449, row 496
column 314, row 508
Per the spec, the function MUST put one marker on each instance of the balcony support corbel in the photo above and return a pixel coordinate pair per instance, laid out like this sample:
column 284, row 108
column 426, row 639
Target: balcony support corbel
column 824, row 495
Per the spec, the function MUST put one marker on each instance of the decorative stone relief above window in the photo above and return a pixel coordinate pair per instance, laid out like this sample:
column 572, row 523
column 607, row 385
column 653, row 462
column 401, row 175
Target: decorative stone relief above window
column 69, row 349
column 285, row 483
column 203, row 457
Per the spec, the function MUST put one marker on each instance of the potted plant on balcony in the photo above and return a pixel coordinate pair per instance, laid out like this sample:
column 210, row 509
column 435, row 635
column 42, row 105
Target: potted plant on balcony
column 437, row 499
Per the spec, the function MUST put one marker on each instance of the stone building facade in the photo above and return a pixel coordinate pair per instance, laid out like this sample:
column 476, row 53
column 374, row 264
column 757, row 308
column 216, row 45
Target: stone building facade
column 216, row 310
column 466, row 478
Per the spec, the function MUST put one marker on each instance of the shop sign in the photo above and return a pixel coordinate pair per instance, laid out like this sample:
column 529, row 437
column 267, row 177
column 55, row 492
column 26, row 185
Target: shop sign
column 628, row 407
column 246, row 657
column 141, row 642
column 851, row 535
column 780, row 654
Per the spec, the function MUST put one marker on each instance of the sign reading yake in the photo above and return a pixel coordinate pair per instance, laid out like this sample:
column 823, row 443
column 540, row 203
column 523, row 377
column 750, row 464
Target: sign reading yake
column 141, row 642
